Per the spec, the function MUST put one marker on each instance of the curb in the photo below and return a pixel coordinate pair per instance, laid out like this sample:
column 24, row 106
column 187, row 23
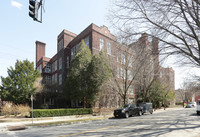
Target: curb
column 15, row 128
column 52, row 123
column 67, row 122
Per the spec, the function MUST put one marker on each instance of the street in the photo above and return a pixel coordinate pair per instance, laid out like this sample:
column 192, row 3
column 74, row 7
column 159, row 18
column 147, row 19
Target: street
column 181, row 122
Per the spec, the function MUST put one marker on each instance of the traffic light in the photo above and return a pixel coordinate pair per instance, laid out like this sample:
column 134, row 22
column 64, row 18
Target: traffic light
column 33, row 7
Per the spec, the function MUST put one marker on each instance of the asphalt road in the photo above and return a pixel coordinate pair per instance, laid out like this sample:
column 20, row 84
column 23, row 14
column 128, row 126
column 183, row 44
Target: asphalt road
column 176, row 123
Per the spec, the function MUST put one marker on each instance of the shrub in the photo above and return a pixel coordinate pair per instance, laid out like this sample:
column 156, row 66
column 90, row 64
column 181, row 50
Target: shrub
column 6, row 109
column 17, row 110
column 60, row 112
column 179, row 103
column 22, row 110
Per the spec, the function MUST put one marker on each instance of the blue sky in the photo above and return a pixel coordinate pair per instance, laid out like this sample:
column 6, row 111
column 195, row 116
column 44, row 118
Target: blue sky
column 18, row 32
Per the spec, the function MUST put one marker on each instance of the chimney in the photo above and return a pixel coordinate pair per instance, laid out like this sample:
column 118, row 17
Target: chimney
column 155, row 45
column 144, row 39
column 40, row 50
column 155, row 49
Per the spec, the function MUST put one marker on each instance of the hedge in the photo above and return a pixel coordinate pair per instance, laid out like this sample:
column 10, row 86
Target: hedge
column 60, row 112
column 179, row 103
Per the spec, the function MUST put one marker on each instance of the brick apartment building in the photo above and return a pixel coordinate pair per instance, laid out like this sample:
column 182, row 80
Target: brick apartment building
column 54, row 70
column 167, row 77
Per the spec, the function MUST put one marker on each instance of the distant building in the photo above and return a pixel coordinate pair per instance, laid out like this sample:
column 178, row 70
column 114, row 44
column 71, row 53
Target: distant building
column 167, row 77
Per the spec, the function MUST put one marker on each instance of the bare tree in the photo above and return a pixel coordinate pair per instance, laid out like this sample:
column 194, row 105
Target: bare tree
column 124, row 74
column 174, row 22
column 180, row 94
column 189, row 89
column 136, row 66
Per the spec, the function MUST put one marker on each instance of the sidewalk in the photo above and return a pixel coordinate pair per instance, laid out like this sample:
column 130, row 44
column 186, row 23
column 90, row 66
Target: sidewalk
column 22, row 123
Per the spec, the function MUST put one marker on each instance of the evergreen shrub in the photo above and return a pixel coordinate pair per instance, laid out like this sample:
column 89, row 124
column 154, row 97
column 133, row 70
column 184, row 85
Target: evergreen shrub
column 60, row 112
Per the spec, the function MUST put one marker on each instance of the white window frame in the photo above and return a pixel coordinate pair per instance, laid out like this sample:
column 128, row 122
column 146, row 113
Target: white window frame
column 87, row 41
column 48, row 68
column 123, row 59
column 118, row 72
column 101, row 43
column 130, row 90
column 40, row 68
column 130, row 75
column 109, row 48
column 73, row 52
column 130, row 63
column 123, row 86
column 130, row 100
column 123, row 73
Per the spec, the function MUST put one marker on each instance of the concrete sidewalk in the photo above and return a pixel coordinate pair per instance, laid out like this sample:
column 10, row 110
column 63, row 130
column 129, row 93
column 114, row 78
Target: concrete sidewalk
column 22, row 123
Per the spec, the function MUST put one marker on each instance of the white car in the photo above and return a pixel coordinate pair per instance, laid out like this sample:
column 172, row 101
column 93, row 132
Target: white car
column 191, row 104
column 198, row 107
column 194, row 104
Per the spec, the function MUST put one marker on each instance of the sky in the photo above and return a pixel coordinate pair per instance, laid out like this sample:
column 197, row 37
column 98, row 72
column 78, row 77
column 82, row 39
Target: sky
column 18, row 32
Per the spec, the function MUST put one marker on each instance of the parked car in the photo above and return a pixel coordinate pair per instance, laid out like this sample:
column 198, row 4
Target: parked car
column 146, row 107
column 191, row 104
column 127, row 111
column 194, row 104
column 198, row 107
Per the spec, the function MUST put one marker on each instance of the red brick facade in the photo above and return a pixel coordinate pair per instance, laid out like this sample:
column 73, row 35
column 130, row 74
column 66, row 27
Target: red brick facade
column 55, row 69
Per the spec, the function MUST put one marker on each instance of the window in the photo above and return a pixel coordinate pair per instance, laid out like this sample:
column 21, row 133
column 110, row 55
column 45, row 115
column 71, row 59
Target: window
column 48, row 68
column 60, row 63
column 54, row 78
column 123, row 59
column 130, row 75
column 73, row 52
column 130, row 62
column 117, row 58
column 118, row 72
column 87, row 41
column 77, row 48
column 130, row 100
column 130, row 90
column 123, row 73
column 101, row 43
column 48, row 79
column 40, row 68
column 60, row 79
column 54, row 66
column 49, row 101
column 161, row 75
column 123, row 86
column 60, row 45
column 67, row 65
column 109, row 48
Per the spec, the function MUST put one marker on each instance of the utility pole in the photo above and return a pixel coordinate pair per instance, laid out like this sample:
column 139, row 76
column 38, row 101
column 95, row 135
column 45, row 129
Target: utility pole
column 32, row 107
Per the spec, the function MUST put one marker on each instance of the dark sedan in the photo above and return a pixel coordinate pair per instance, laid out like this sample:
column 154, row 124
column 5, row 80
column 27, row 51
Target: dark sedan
column 127, row 111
